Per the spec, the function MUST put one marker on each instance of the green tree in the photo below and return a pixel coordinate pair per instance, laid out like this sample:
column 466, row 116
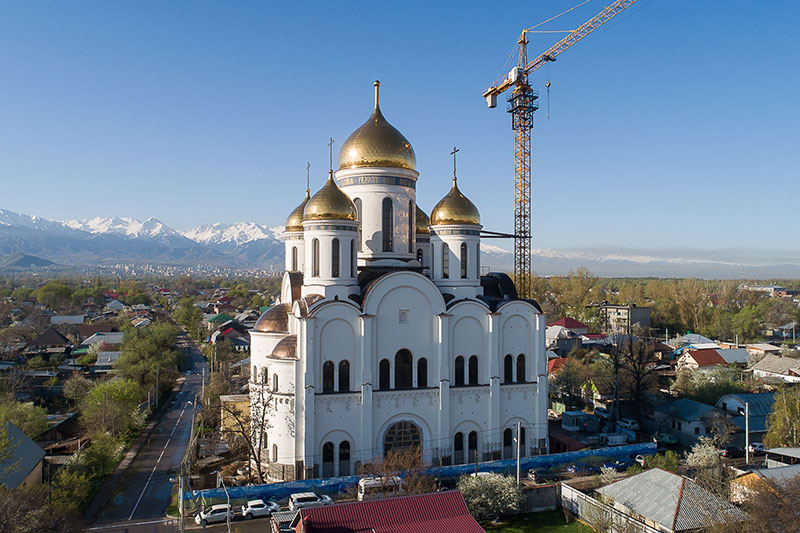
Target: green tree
column 783, row 424
column 112, row 407
column 54, row 295
column 26, row 416
column 665, row 461
column 189, row 316
column 76, row 387
column 747, row 323
column 490, row 495
column 569, row 381
column 70, row 490
column 149, row 351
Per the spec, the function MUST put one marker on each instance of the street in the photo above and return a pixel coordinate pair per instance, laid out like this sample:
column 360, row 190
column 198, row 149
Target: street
column 144, row 493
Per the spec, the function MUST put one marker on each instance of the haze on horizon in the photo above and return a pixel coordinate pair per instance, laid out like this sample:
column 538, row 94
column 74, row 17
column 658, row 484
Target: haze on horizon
column 672, row 128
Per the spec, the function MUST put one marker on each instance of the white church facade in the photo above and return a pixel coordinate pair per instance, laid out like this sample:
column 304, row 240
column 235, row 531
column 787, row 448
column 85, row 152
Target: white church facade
column 387, row 336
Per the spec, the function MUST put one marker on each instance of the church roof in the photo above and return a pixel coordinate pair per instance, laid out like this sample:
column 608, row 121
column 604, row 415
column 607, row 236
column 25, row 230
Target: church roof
column 286, row 348
column 274, row 320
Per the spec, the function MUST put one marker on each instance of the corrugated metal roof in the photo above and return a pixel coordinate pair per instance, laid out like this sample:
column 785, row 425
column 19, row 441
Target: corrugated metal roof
column 441, row 512
column 25, row 455
column 760, row 404
column 706, row 357
column 735, row 355
column 779, row 474
column 685, row 409
column 777, row 364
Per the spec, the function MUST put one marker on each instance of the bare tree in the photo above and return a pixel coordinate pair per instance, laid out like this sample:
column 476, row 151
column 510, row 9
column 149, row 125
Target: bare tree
column 249, row 428
column 406, row 463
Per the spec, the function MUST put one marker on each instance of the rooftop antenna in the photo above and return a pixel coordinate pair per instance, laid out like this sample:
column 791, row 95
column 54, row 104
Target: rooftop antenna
column 453, row 153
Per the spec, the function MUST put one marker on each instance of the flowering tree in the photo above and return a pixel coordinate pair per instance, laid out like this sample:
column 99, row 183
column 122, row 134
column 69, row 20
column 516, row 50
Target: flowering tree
column 490, row 495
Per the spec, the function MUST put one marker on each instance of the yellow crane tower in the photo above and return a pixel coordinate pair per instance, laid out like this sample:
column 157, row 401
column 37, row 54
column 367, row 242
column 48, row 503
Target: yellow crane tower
column 521, row 105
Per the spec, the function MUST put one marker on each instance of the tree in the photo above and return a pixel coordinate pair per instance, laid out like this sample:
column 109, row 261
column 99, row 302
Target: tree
column 70, row 490
column 112, row 407
column 76, row 387
column 54, row 295
column 188, row 315
column 665, row 461
column 638, row 361
column 772, row 507
column 248, row 429
column 490, row 495
column 783, row 424
column 150, row 351
column 29, row 418
column 24, row 510
column 569, row 380
column 405, row 463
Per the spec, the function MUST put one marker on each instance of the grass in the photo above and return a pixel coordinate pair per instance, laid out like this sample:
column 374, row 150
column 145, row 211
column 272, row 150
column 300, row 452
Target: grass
column 546, row 522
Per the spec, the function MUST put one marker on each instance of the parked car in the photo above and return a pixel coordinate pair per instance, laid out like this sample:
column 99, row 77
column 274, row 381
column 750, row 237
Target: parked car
column 665, row 439
column 255, row 508
column 542, row 475
column 628, row 423
column 215, row 513
column 756, row 448
column 602, row 413
column 583, row 469
column 731, row 451
column 307, row 499
column 620, row 465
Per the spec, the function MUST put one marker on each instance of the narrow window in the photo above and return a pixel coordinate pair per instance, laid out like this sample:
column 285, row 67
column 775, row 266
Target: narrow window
column 254, row 375
column 353, row 259
column 357, row 201
column 294, row 257
column 383, row 383
column 315, row 258
column 508, row 369
column 274, row 453
column 523, row 441
column 411, row 221
column 344, row 458
column 445, row 260
column 403, row 370
column 521, row 368
column 422, row 373
column 275, row 383
column 508, row 440
column 463, row 260
column 327, row 459
column 387, row 228
column 478, row 260
column 472, row 445
column 459, row 370
column 473, row 370
column 344, row 376
column 335, row 257
column 327, row 377
column 458, row 448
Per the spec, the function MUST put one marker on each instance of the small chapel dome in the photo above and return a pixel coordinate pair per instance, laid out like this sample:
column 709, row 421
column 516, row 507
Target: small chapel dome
column 455, row 208
column 286, row 348
column 295, row 220
column 377, row 144
column 330, row 203
column 422, row 221
column 274, row 320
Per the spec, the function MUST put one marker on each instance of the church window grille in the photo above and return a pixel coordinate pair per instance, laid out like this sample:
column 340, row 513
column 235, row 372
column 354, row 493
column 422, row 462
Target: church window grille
column 508, row 369
column 275, row 383
column 402, row 435
column 383, row 383
column 387, row 228
column 463, row 260
column 353, row 260
column 521, row 368
column 344, row 376
column 327, row 460
column 445, row 261
column 335, row 258
column 422, row 373
column 274, row 453
column 472, row 445
column 327, row 377
column 411, row 220
column 265, row 376
column 458, row 448
column 357, row 201
column 294, row 257
column 508, row 440
column 344, row 458
column 403, row 370
column 315, row 258
column 473, row 370
column 459, row 367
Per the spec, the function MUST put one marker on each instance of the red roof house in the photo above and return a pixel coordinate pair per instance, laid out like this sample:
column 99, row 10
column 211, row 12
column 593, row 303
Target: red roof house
column 700, row 359
column 442, row 512
column 556, row 365
column 573, row 325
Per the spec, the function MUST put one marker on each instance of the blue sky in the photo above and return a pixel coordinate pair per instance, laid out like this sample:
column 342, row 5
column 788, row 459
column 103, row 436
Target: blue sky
column 673, row 126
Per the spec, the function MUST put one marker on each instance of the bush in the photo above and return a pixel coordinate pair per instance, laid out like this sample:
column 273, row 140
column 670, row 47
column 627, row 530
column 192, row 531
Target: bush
column 490, row 495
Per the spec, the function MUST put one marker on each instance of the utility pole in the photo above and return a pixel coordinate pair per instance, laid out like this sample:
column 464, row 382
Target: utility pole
column 519, row 447
column 747, row 433
column 476, row 463
column 157, row 368
column 180, row 496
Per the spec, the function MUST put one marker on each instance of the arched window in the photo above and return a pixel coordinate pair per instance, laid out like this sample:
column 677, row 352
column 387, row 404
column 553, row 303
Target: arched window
column 327, row 459
column 353, row 260
column 294, row 257
column 387, row 226
column 419, row 255
column 265, row 376
column 335, row 258
column 472, row 445
column 254, row 375
column 478, row 260
column 344, row 376
column 402, row 435
column 411, row 220
column 463, row 260
column 275, row 383
column 315, row 258
column 274, row 453
column 523, row 442
column 403, row 370
column 459, row 370
column 327, row 377
column 344, row 458
column 508, row 441
column 458, row 448
column 521, row 368
column 357, row 201
column 508, row 369
column 445, row 260
column 422, row 373
column 383, row 383
column 473, row 370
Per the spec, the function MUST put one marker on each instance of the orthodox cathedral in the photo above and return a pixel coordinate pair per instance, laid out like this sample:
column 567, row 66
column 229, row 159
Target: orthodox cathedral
column 387, row 335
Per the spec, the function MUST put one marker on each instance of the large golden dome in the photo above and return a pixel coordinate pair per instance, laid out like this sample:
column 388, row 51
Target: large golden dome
column 377, row 144
column 295, row 220
column 422, row 221
column 330, row 203
column 455, row 208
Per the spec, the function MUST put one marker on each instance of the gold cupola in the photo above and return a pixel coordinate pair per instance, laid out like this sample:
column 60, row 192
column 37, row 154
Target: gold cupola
column 295, row 220
column 455, row 208
column 422, row 221
column 377, row 144
column 330, row 203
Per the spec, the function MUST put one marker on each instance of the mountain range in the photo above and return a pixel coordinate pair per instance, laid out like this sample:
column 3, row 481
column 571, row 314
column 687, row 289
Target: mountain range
column 106, row 241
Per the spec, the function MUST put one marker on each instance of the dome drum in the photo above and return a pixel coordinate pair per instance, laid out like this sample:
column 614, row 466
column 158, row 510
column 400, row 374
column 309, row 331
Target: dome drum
column 274, row 320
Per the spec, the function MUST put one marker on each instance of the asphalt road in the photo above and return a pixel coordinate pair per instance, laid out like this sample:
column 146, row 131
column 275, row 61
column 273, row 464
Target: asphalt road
column 144, row 492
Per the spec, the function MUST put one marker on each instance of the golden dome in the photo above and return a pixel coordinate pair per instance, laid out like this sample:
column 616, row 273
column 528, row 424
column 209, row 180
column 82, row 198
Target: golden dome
column 274, row 320
column 455, row 208
column 330, row 203
column 286, row 348
column 295, row 220
column 422, row 220
column 377, row 144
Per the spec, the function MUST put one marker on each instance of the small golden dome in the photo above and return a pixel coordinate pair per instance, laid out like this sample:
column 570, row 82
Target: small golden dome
column 286, row 348
column 330, row 203
column 422, row 221
column 455, row 208
column 377, row 144
column 295, row 220
column 274, row 320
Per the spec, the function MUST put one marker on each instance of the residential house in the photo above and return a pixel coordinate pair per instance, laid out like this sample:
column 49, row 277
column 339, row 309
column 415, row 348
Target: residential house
column 686, row 419
column 72, row 320
column 113, row 338
column 778, row 457
column 115, row 305
column 761, row 479
column 105, row 362
column 700, row 360
column 775, row 367
column 735, row 356
column 24, row 467
column 87, row 330
column 759, row 408
column 669, row 502
column 234, row 410
column 49, row 342
column 561, row 340
column 763, row 349
column 235, row 334
column 442, row 512
column 575, row 326
column 217, row 320
column 622, row 318
column 141, row 322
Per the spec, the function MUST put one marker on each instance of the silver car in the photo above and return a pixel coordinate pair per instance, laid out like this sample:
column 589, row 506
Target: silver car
column 255, row 508
column 215, row 513
column 307, row 499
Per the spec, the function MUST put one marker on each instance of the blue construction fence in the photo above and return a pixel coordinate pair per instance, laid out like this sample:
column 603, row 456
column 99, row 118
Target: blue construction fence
column 342, row 485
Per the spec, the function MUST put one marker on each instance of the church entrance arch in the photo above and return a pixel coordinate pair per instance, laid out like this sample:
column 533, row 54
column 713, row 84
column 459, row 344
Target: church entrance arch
column 401, row 436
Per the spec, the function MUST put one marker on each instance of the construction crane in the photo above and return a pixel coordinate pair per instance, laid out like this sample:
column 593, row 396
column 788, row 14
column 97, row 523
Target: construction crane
column 521, row 105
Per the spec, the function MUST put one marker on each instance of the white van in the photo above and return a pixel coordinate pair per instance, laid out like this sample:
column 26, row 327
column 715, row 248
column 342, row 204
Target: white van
column 373, row 488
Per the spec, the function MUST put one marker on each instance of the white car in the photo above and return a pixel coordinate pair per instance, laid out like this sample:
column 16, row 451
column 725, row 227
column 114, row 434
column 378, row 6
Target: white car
column 255, row 508
column 756, row 448
column 215, row 513
column 307, row 499
column 628, row 423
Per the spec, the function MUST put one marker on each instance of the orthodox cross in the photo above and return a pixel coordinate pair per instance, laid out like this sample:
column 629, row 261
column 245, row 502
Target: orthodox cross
column 308, row 177
column 453, row 153
column 330, row 149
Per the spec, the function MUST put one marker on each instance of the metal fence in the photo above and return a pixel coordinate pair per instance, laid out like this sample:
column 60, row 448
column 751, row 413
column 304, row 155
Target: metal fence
column 598, row 515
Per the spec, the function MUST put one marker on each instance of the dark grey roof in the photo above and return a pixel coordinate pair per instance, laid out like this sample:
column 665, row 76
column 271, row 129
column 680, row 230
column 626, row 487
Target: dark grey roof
column 777, row 364
column 675, row 502
column 735, row 355
column 780, row 474
column 25, row 455
column 688, row 410
column 760, row 404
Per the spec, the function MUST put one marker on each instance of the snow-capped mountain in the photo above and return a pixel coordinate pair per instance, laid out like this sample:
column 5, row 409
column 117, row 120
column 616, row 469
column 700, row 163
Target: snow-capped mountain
column 236, row 234
column 150, row 229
